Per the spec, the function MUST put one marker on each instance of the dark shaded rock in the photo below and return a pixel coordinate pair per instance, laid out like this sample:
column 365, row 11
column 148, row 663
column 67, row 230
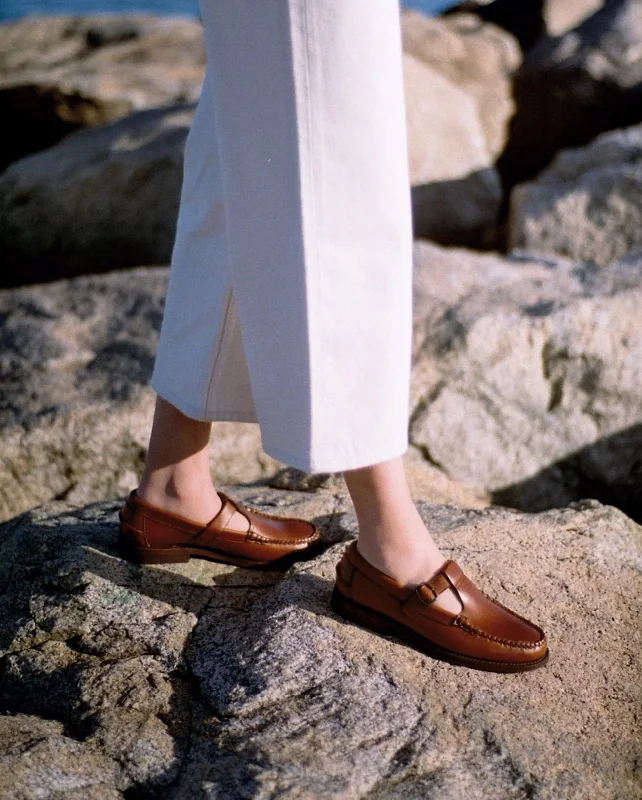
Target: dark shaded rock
column 101, row 199
column 573, row 87
column 530, row 20
column 525, row 20
column 62, row 73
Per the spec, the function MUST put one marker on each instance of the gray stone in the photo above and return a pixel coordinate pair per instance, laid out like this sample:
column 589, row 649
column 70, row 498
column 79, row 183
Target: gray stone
column 425, row 480
column 477, row 58
column 61, row 73
column 526, row 378
column 76, row 408
column 202, row 680
column 37, row 760
column 587, row 205
column 573, row 87
column 101, row 199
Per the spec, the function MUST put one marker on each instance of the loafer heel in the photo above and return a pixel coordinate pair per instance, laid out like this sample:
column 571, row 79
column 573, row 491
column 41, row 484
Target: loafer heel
column 365, row 617
column 152, row 555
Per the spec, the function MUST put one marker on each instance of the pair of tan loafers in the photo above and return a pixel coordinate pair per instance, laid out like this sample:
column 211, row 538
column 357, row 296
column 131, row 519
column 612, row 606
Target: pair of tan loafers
column 470, row 629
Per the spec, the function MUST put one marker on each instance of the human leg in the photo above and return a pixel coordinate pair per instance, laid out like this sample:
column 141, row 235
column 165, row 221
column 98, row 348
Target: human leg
column 392, row 535
column 177, row 474
column 290, row 296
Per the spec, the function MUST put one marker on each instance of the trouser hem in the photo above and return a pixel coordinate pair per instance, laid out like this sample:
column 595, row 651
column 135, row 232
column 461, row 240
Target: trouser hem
column 316, row 466
column 196, row 412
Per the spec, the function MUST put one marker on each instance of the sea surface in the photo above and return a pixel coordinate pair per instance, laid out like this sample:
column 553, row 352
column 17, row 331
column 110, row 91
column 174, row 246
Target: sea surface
column 12, row 9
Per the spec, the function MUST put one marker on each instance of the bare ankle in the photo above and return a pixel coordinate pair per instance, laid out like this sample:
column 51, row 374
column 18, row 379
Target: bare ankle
column 188, row 493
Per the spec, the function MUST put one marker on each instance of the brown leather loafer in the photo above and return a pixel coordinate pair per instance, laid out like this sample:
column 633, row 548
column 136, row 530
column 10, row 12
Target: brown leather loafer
column 482, row 634
column 150, row 535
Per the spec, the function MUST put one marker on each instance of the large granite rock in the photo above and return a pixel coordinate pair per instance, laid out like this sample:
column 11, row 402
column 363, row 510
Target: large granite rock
column 573, row 87
column 458, row 102
column 527, row 376
column 477, row 58
column 76, row 407
column 201, row 680
column 525, row 384
column 61, row 73
column 102, row 198
column 587, row 205
column 109, row 196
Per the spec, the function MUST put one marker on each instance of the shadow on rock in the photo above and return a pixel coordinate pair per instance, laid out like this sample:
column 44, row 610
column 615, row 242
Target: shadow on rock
column 610, row 470
column 460, row 212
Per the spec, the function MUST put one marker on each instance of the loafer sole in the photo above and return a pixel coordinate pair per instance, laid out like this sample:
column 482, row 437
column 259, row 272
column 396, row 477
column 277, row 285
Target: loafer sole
column 181, row 554
column 387, row 626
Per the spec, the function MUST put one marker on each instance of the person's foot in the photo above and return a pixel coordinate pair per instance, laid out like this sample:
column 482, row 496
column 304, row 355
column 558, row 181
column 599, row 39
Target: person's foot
column 237, row 535
column 445, row 616
column 400, row 546
column 392, row 535
column 398, row 543
column 194, row 497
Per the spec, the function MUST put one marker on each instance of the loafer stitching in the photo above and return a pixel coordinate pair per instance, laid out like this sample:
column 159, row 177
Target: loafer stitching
column 461, row 622
column 257, row 537
column 141, row 512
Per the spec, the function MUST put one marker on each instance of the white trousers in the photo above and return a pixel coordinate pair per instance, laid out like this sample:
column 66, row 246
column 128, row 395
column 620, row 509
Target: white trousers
column 290, row 294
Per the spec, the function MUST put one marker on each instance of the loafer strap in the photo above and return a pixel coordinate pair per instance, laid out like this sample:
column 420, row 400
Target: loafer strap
column 421, row 600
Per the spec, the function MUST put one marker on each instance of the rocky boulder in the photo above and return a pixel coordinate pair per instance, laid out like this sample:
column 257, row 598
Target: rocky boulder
column 61, row 73
column 587, row 205
column 76, row 407
column 530, row 20
column 102, row 198
column 109, row 196
column 526, row 379
column 573, row 87
column 201, row 680
column 458, row 102
column 562, row 16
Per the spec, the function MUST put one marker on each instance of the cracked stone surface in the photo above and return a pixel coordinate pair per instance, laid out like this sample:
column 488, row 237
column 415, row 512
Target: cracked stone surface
column 587, row 204
column 76, row 408
column 526, row 379
column 206, row 681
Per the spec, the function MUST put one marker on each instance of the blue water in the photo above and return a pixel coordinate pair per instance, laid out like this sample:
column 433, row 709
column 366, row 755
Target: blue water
column 12, row 9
